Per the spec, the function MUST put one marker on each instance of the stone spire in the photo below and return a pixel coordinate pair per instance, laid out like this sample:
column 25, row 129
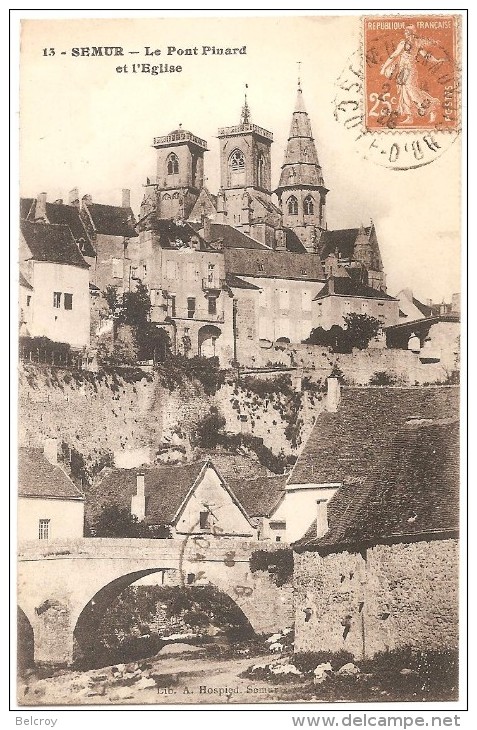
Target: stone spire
column 301, row 191
column 301, row 165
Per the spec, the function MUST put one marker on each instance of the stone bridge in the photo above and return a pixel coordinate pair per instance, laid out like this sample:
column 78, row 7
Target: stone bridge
column 64, row 586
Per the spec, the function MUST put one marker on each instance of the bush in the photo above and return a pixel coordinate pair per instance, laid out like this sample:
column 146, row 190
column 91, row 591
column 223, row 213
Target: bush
column 361, row 329
column 307, row 662
column 209, row 429
column 381, row 377
column 277, row 563
column 114, row 521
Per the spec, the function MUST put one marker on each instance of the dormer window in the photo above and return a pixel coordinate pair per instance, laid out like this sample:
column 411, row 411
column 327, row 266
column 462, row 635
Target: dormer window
column 172, row 164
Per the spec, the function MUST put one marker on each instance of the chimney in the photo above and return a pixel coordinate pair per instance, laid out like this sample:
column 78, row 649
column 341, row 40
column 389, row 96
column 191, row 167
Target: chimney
column 322, row 526
column 429, row 302
column 206, row 229
column 50, row 450
column 138, row 500
column 333, row 394
column 126, row 198
column 40, row 208
column 331, row 285
column 73, row 197
column 87, row 200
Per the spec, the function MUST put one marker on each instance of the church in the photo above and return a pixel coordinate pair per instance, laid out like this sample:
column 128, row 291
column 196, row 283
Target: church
column 235, row 273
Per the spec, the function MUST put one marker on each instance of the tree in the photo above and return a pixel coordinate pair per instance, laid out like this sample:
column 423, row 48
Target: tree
column 119, row 351
column 361, row 329
column 210, row 428
column 114, row 521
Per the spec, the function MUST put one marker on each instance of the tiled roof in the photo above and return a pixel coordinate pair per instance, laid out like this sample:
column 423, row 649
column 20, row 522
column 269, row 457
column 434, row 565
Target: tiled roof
column 38, row 478
column 112, row 220
column 69, row 215
column 25, row 207
column 412, row 493
column 293, row 243
column 23, row 282
column 346, row 286
column 259, row 496
column 233, row 238
column 274, row 264
column 423, row 308
column 341, row 239
column 53, row 243
column 166, row 488
column 236, row 283
column 343, row 446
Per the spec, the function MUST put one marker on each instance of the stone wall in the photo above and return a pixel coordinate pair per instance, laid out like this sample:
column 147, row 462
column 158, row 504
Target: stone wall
column 389, row 597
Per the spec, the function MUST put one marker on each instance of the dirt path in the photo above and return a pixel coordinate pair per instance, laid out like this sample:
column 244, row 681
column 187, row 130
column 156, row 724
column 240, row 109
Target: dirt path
column 169, row 680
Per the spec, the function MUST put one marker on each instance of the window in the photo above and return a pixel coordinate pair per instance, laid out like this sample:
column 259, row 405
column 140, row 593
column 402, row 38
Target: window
column 261, row 267
column 173, row 305
column 57, row 299
column 210, row 273
column 172, row 164
column 44, row 529
column 237, row 168
column 308, row 205
column 292, row 206
column 68, row 301
column 117, row 269
column 204, row 520
column 171, row 270
column 144, row 270
column 190, row 307
column 28, row 300
column 260, row 171
column 237, row 161
column 212, row 305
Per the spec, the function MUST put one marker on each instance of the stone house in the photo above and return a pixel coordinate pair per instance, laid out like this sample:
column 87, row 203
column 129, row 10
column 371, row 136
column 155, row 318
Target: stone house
column 55, row 297
column 50, row 506
column 189, row 499
column 377, row 568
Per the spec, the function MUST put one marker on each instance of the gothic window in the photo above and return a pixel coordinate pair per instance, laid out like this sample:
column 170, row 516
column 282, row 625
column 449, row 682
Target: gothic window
column 237, row 168
column 260, row 171
column 172, row 164
column 292, row 206
column 308, row 205
column 237, row 161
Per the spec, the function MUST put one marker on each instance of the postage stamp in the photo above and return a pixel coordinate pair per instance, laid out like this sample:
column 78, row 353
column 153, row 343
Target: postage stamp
column 411, row 78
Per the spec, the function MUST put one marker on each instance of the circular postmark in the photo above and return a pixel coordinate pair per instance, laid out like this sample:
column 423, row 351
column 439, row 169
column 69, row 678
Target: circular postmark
column 398, row 94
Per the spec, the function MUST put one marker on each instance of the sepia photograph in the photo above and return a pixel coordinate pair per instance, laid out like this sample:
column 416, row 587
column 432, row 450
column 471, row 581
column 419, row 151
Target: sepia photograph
column 239, row 338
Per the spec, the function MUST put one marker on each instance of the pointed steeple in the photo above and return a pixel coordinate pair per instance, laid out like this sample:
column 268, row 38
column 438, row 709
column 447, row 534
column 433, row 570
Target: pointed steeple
column 301, row 165
column 245, row 117
column 302, row 191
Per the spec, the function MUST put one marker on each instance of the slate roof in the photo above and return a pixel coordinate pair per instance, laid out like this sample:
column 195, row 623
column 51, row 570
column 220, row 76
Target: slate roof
column 53, row 243
column 413, row 493
column 38, row 478
column 343, row 446
column 274, row 264
column 259, row 496
column 342, row 239
column 349, row 287
column 112, row 220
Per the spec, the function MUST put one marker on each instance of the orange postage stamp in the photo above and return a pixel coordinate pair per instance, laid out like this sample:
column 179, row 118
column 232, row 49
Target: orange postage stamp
column 411, row 77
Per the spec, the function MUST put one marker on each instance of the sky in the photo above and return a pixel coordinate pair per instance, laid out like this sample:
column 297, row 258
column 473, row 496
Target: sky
column 83, row 124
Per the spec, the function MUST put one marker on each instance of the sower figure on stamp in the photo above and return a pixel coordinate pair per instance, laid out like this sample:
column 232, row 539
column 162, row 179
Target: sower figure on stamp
column 402, row 65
